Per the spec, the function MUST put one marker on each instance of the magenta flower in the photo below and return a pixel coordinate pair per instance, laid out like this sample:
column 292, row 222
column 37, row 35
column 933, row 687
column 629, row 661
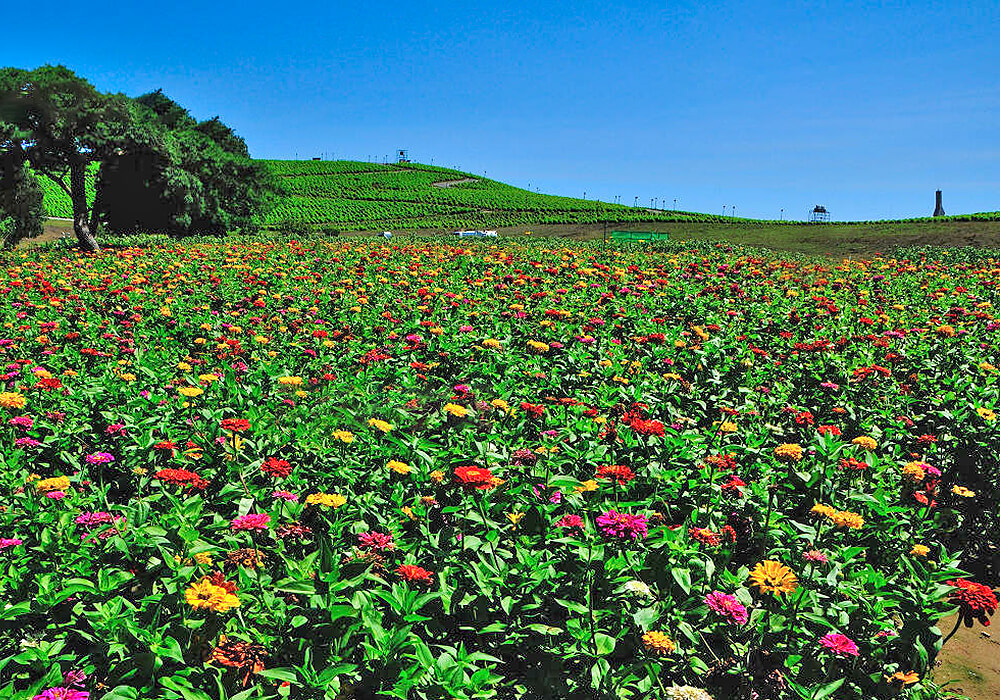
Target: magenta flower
column 376, row 540
column 99, row 458
column 60, row 693
column 285, row 496
column 6, row 542
column 568, row 521
column 815, row 556
column 116, row 429
column 26, row 442
column 95, row 518
column 728, row 607
column 839, row 644
column 251, row 521
column 25, row 422
column 622, row 525
column 56, row 495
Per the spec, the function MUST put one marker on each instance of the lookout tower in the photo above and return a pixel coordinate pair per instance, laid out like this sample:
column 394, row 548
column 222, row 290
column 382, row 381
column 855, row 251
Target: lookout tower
column 402, row 156
column 819, row 215
column 938, row 208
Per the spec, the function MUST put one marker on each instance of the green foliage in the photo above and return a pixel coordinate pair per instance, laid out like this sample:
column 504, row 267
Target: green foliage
column 359, row 196
column 196, row 178
column 21, row 202
column 542, row 362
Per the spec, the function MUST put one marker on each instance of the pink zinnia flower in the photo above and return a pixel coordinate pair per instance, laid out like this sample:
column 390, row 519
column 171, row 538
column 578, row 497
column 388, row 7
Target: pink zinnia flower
column 117, row 429
column 839, row 644
column 60, row 693
column 6, row 542
column 727, row 606
column 26, row 442
column 99, row 458
column 285, row 496
column 251, row 521
column 25, row 422
column 622, row 525
column 56, row 495
column 570, row 521
column 376, row 540
column 815, row 556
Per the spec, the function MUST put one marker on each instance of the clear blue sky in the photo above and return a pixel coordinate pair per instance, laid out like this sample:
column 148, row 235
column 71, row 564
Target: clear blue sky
column 866, row 108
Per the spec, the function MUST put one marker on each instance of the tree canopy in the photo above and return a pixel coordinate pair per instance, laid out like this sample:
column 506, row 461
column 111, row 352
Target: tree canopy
column 160, row 169
column 197, row 179
column 59, row 123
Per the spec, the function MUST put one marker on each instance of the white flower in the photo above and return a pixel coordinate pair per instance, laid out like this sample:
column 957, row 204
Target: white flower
column 687, row 692
column 638, row 589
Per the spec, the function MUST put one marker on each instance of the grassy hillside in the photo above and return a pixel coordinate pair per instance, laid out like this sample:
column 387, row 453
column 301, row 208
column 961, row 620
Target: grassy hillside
column 353, row 195
column 357, row 196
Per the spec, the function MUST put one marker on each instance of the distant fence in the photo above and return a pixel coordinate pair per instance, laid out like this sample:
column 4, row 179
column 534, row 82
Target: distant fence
column 640, row 236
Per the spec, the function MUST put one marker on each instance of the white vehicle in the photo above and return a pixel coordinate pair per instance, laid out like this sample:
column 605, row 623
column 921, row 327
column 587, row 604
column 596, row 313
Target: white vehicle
column 476, row 234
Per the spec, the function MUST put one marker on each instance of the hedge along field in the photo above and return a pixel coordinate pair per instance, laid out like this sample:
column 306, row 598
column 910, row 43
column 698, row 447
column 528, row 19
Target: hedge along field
column 268, row 467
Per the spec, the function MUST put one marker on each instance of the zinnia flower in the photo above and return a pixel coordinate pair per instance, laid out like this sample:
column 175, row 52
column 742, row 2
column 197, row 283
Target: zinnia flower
column 570, row 520
column 727, row 606
column 975, row 601
column 206, row 594
column 658, row 643
column 774, row 577
column 62, row 693
column 409, row 572
column 56, row 483
column 687, row 692
column 327, row 500
column 10, row 399
column 788, row 452
column 839, row 644
column 251, row 522
column 622, row 525
column 475, row 478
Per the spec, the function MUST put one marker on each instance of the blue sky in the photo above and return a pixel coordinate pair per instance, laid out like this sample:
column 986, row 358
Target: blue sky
column 866, row 108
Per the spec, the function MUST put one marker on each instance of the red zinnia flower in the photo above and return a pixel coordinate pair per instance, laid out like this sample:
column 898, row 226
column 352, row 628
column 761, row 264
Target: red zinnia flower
column 278, row 468
column 475, row 478
column 620, row 472
column 237, row 425
column 181, row 477
column 975, row 601
column 410, row 572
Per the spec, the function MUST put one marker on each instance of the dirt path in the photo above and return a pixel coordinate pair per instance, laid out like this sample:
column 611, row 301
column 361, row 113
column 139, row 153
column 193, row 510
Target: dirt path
column 452, row 183
column 971, row 659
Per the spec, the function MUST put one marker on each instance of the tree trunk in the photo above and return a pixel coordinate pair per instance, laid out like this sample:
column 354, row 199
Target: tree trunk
column 78, row 194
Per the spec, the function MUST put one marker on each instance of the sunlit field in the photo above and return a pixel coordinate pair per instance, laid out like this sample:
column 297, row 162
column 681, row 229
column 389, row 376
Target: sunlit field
column 345, row 468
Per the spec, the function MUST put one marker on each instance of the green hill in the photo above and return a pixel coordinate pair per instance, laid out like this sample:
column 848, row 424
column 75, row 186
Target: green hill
column 352, row 196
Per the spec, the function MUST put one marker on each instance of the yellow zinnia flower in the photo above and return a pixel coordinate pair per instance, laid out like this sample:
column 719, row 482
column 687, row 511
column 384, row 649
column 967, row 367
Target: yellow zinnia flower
column 190, row 391
column 865, row 442
column 658, row 643
column 329, row 500
column 453, row 409
column 381, row 425
column 205, row 594
column 788, row 452
column 774, row 577
column 344, row 436
column 399, row 467
column 56, row 483
column 9, row 399
column 920, row 550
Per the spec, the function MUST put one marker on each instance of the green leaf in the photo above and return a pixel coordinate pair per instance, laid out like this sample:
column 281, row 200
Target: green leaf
column 605, row 643
column 827, row 690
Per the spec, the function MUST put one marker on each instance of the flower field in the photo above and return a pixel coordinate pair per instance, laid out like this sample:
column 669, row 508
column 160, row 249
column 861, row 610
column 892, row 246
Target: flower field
column 339, row 468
